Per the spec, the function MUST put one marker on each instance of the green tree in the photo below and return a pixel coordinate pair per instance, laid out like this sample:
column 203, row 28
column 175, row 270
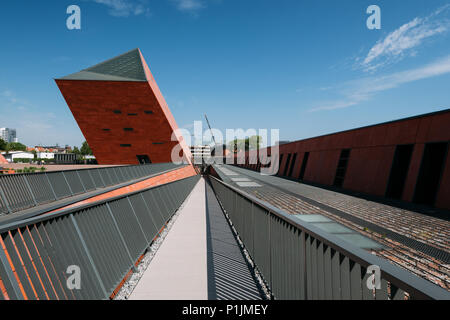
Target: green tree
column 3, row 144
column 253, row 143
column 250, row 143
column 16, row 146
column 85, row 149
column 76, row 150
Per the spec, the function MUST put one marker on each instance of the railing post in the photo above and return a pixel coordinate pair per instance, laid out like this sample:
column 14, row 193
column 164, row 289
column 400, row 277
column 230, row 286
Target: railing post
column 82, row 184
column 137, row 219
column 110, row 177
column 51, row 187
column 270, row 248
column 92, row 179
column 253, row 229
column 10, row 281
column 88, row 254
column 5, row 201
column 115, row 173
column 236, row 218
column 150, row 213
column 70, row 189
column 120, row 233
column 29, row 189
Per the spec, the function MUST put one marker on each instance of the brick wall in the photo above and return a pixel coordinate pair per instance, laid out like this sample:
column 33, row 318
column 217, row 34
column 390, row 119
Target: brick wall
column 371, row 155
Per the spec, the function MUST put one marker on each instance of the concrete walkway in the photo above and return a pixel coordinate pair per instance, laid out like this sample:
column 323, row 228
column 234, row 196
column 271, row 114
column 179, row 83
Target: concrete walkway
column 179, row 269
column 200, row 258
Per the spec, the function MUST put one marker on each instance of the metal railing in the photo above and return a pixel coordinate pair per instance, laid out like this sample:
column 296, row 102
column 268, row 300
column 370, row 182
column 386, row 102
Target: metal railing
column 300, row 261
column 22, row 191
column 103, row 240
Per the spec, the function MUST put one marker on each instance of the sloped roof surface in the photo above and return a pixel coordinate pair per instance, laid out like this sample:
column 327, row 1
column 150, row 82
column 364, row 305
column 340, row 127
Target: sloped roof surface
column 126, row 67
column 3, row 160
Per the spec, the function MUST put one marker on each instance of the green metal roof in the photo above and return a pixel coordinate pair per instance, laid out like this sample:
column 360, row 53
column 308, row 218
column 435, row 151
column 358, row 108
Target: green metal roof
column 126, row 67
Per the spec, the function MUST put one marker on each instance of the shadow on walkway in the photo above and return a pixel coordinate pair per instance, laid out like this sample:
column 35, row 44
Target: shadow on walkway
column 229, row 275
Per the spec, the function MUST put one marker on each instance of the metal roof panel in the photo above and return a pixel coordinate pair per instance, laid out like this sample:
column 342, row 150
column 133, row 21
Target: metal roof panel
column 126, row 67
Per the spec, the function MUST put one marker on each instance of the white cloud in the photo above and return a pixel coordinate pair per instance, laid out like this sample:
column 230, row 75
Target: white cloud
column 364, row 89
column 125, row 8
column 189, row 5
column 405, row 39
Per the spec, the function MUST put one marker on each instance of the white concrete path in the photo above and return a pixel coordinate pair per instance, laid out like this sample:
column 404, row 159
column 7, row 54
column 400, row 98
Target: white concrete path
column 179, row 269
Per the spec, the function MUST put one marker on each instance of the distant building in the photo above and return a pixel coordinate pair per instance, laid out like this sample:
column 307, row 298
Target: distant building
column 200, row 153
column 53, row 149
column 89, row 160
column 45, row 155
column 8, row 135
column 12, row 155
column 65, row 158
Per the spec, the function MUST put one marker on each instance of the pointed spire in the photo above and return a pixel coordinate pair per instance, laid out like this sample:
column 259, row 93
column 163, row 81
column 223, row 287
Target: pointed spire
column 126, row 67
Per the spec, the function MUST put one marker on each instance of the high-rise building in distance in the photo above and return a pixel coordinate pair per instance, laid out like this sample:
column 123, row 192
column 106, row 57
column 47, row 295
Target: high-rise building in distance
column 8, row 135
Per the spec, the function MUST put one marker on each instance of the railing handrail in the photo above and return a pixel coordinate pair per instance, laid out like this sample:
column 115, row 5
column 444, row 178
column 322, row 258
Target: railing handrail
column 105, row 241
column 399, row 277
column 67, row 211
column 70, row 201
column 81, row 169
column 27, row 190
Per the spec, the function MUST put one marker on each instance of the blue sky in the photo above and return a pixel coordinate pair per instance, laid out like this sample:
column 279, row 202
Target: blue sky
column 304, row 67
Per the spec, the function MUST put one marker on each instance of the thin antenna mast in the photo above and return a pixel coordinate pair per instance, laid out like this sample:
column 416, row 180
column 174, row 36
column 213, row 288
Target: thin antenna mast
column 207, row 121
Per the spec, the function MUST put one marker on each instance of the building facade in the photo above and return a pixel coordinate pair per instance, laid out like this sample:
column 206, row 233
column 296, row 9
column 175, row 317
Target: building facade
column 52, row 149
column 122, row 113
column 14, row 155
column 405, row 159
column 45, row 155
column 200, row 154
column 8, row 135
column 65, row 158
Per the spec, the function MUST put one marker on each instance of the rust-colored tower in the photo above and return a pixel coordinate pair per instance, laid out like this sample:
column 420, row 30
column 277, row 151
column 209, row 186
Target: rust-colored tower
column 122, row 113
